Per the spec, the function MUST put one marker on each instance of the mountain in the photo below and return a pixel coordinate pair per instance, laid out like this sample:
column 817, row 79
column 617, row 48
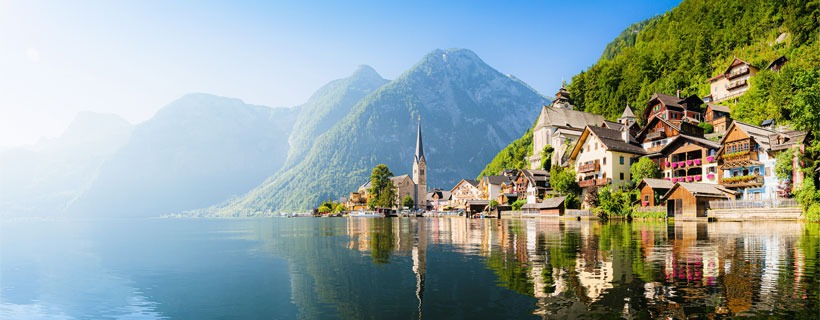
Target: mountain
column 198, row 149
column 468, row 110
column 41, row 179
column 326, row 107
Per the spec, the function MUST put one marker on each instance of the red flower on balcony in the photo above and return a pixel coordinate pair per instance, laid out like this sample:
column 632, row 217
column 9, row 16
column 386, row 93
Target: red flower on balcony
column 697, row 162
column 666, row 163
column 674, row 165
column 710, row 176
column 710, row 159
column 688, row 162
column 698, row 177
column 689, row 178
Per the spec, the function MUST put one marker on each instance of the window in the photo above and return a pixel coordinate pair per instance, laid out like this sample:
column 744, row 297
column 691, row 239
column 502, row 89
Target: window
column 596, row 146
column 711, row 170
column 588, row 148
column 757, row 171
column 621, row 159
column 646, row 198
column 604, row 161
column 622, row 176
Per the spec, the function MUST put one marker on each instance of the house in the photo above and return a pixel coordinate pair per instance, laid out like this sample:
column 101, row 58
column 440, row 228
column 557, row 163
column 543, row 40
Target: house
column 358, row 200
column 777, row 64
column 490, row 186
column 732, row 82
column 691, row 200
column 465, row 190
column 550, row 206
column 718, row 117
column 604, row 156
column 437, row 199
column 532, row 184
column 658, row 132
column 674, row 108
column 651, row 190
column 688, row 159
column 559, row 125
column 747, row 159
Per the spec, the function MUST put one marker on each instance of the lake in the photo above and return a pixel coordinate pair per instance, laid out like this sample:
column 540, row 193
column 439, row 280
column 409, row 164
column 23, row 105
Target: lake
column 406, row 268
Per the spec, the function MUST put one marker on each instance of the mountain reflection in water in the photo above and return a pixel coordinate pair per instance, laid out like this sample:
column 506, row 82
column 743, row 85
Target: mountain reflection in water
column 415, row 268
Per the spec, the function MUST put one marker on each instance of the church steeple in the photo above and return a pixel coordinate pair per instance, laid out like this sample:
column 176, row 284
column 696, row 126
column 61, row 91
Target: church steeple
column 419, row 172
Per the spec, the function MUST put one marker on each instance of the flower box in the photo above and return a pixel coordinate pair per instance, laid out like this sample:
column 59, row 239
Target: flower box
column 688, row 162
column 682, row 164
column 697, row 162
column 674, row 165
column 698, row 177
column 710, row 159
column 666, row 163
column 689, row 178
column 645, row 203
column 668, row 179
column 674, row 180
column 710, row 176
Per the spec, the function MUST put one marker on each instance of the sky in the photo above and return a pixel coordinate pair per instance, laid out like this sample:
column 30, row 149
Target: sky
column 131, row 58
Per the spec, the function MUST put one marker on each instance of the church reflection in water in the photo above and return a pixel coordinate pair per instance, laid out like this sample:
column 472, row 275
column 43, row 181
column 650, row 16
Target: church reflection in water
column 642, row 269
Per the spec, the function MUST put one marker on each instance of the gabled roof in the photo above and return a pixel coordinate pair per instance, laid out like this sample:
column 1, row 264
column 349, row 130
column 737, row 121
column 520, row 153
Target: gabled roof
column 442, row 194
column 612, row 125
column 536, row 177
column 720, row 108
column 611, row 139
column 703, row 142
column 399, row 178
column 780, row 60
column 788, row 139
column 549, row 203
column 701, row 189
column 496, row 180
column 736, row 62
column 627, row 112
column 657, row 184
column 760, row 135
column 557, row 117
column 470, row 182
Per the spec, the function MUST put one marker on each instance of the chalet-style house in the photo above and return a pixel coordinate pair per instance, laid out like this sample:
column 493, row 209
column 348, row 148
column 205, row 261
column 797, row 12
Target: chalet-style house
column 652, row 190
column 691, row 200
column 464, row 191
column 688, row 159
column 658, row 132
column 732, row 82
column 490, row 186
column 718, row 116
column 532, row 184
column 747, row 159
column 437, row 199
column 604, row 156
column 559, row 125
column 674, row 108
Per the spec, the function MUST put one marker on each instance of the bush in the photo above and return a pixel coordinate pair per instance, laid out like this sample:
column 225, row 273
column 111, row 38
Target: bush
column 518, row 204
column 649, row 215
column 813, row 214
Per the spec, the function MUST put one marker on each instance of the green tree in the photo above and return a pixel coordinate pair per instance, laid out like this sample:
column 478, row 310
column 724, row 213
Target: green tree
column 783, row 166
column 518, row 204
column 546, row 157
column 707, row 127
column 562, row 181
column 644, row 168
column 381, row 187
column 408, row 202
column 493, row 204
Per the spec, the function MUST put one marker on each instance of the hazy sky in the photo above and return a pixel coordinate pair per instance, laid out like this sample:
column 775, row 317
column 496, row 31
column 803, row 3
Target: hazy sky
column 133, row 57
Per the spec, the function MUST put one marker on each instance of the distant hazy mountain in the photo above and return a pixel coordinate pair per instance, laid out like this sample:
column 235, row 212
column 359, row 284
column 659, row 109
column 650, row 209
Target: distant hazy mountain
column 41, row 180
column 197, row 150
column 469, row 112
column 327, row 106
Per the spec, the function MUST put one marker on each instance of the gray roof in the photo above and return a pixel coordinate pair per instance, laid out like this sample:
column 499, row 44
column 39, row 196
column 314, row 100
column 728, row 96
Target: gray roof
column 497, row 180
column 628, row 112
column 613, row 141
column 720, row 108
column 558, row 117
column 789, row 139
column 549, row 203
column 612, row 125
column 760, row 135
column 442, row 194
column 419, row 145
column 472, row 182
column 702, row 189
column 657, row 183
column 401, row 177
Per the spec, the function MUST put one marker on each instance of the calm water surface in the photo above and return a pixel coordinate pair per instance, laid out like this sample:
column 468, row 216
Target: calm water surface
column 406, row 268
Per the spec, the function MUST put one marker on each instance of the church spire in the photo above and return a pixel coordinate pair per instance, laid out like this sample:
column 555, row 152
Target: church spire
column 419, row 145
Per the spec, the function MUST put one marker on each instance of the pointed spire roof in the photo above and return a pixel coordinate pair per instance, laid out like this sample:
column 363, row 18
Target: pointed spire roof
column 628, row 112
column 419, row 145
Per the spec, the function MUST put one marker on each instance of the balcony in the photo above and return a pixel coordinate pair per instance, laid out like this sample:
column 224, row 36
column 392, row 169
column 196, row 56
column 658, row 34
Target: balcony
column 753, row 180
column 736, row 84
column 589, row 167
column 737, row 73
column 656, row 135
column 593, row 182
column 739, row 159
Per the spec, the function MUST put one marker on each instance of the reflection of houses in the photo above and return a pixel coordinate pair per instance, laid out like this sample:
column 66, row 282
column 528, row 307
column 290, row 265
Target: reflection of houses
column 559, row 125
column 747, row 159
column 690, row 200
column 604, row 156
column 733, row 82
column 651, row 190
column 465, row 190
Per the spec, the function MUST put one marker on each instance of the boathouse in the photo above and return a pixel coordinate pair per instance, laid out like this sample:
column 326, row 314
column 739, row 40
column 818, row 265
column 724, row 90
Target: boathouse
column 691, row 200
column 652, row 190
column 550, row 207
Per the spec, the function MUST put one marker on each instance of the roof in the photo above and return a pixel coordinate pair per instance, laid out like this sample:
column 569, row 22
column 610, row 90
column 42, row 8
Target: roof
column 536, row 176
column 780, row 60
column 701, row 141
column 612, row 125
column 549, row 203
column 496, row 180
column 788, row 139
column 419, row 145
column 627, row 112
column 656, row 183
column 701, row 189
column 558, row 117
column 614, row 142
column 760, row 135
column 442, row 194
column 716, row 107
column 401, row 177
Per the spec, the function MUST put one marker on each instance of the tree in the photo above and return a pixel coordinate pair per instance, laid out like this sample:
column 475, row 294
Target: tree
column 408, row 202
column 493, row 204
column 546, row 157
column 518, row 204
column 707, row 127
column 381, row 187
column 562, row 181
column 644, row 168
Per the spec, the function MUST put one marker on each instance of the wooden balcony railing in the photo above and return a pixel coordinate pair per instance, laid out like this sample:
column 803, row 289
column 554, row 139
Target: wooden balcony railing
column 743, row 181
column 739, row 159
column 736, row 84
column 737, row 73
column 589, row 167
column 656, row 135
column 593, row 182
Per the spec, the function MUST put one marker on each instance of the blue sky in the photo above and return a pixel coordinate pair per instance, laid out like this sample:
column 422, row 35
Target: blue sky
column 133, row 57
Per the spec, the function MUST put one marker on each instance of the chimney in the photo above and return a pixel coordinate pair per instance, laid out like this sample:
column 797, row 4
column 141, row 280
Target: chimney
column 678, row 94
column 625, row 134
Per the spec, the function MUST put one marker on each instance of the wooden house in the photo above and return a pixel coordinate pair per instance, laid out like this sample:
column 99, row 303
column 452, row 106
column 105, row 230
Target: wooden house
column 674, row 108
column 691, row 200
column 651, row 190
column 718, row 116
column 549, row 207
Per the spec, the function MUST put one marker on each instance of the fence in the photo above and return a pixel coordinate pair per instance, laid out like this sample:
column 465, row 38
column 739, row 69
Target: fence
column 649, row 209
column 750, row 204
